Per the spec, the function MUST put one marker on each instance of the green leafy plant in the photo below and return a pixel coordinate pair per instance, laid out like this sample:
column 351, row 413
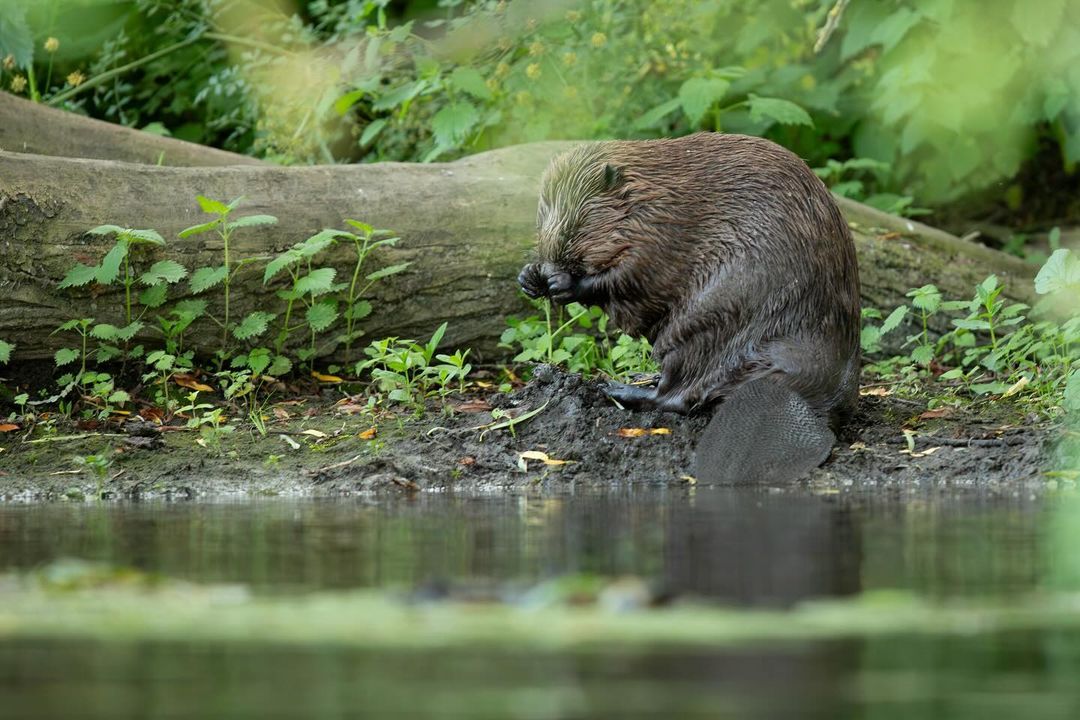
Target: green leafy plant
column 314, row 287
column 89, row 383
column 404, row 372
column 208, row 420
column 577, row 338
column 98, row 467
column 6, row 351
column 205, row 278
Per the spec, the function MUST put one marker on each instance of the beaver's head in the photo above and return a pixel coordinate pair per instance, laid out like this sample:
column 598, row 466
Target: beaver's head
column 580, row 211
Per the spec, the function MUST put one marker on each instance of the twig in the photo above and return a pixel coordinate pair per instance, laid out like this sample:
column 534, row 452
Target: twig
column 509, row 423
column 832, row 21
column 61, row 438
column 335, row 466
column 967, row 442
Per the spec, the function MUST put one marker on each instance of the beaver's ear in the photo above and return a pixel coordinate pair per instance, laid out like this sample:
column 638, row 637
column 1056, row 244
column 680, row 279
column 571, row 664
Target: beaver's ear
column 612, row 177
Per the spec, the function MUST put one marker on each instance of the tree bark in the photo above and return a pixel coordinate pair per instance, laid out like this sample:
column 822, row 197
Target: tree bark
column 28, row 127
column 466, row 227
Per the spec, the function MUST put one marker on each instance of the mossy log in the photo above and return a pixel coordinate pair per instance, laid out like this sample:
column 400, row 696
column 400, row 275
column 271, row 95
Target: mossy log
column 466, row 227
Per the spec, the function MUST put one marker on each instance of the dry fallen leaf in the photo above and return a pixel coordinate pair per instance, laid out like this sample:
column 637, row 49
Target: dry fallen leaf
column 543, row 457
column 325, row 378
column 8, row 427
column 1016, row 387
column 189, row 382
column 857, row 446
column 639, row 432
column 281, row 413
column 688, row 479
column 921, row 453
column 875, row 391
column 936, row 413
column 467, row 460
column 368, row 434
column 315, row 434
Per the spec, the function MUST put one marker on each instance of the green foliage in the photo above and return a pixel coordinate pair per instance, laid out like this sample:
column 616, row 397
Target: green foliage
column 6, row 350
column 404, row 372
column 995, row 347
column 581, row 342
column 202, row 279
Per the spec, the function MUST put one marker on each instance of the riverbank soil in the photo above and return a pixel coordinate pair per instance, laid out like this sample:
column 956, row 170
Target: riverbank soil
column 557, row 430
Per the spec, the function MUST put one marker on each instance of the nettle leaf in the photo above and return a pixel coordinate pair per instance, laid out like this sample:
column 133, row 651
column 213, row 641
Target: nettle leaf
column 105, row 331
column 199, row 229
column 168, row 271
column 253, row 325
column 258, row 360
column 6, row 349
column 319, row 242
column 252, row 221
column 388, row 271
column 359, row 310
column 784, row 112
column 64, row 356
column 452, row 124
column 78, row 276
column 318, row 282
column 149, row 237
column 1061, row 272
column 106, row 230
column 212, row 207
column 895, row 318
column 280, row 366
column 119, row 397
column 346, row 101
column 205, row 278
column 109, row 269
column 189, row 308
column 470, row 80
column 128, row 331
column 923, row 354
column 321, row 316
column 279, row 263
column 658, row 113
column 361, row 226
column 697, row 95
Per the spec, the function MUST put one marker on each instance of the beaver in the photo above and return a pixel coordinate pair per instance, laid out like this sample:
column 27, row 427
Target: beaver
column 731, row 257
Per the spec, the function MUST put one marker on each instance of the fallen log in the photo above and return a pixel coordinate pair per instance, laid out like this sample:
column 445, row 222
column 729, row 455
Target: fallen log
column 466, row 227
column 33, row 128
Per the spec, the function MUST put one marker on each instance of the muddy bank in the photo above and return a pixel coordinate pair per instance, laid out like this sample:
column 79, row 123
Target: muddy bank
column 574, row 437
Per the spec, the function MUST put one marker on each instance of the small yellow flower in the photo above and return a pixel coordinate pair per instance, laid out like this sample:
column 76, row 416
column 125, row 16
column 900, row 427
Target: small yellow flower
column 18, row 84
column 531, row 24
column 537, row 48
column 9, row 62
column 599, row 40
column 502, row 70
column 52, row 45
column 573, row 16
column 500, row 7
column 492, row 84
column 569, row 59
column 505, row 43
column 76, row 79
column 533, row 71
column 522, row 98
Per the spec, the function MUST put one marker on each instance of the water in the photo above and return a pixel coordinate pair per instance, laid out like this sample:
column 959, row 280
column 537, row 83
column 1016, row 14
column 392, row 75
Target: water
column 743, row 548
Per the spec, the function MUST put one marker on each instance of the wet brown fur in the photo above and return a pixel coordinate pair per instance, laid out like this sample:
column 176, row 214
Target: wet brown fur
column 725, row 251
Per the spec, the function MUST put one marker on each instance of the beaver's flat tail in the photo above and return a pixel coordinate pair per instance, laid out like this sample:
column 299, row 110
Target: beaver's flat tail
column 764, row 432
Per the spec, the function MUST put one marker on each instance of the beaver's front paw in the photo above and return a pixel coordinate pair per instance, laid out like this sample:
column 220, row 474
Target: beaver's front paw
column 561, row 287
column 532, row 281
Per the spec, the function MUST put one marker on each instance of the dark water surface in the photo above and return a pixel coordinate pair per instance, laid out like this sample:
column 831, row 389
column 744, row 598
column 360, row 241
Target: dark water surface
column 742, row 547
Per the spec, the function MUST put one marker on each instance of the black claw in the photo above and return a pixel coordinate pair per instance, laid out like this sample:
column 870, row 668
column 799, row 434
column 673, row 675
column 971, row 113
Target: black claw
column 532, row 281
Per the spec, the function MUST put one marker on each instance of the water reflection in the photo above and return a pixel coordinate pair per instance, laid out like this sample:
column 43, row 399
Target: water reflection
column 746, row 546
